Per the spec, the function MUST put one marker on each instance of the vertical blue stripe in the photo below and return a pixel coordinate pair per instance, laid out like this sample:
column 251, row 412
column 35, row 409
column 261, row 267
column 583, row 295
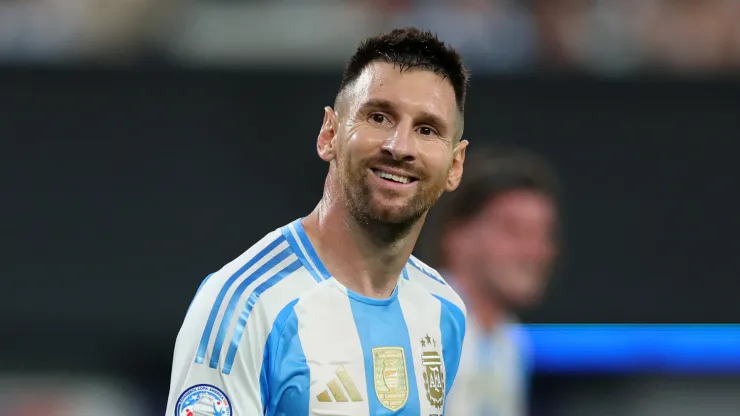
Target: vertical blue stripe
column 452, row 325
column 423, row 269
column 405, row 272
column 298, row 252
column 249, row 306
column 201, row 354
column 270, row 357
column 203, row 283
column 310, row 250
column 380, row 323
column 221, row 335
column 286, row 378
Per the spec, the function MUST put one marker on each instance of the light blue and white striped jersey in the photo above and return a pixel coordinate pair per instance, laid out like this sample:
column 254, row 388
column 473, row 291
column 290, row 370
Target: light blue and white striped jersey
column 272, row 333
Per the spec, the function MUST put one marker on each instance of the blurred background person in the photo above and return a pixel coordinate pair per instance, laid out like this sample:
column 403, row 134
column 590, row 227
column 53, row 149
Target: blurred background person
column 497, row 246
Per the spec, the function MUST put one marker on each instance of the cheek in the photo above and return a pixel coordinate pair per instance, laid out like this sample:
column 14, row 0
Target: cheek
column 498, row 247
column 549, row 251
column 438, row 160
column 364, row 135
column 361, row 144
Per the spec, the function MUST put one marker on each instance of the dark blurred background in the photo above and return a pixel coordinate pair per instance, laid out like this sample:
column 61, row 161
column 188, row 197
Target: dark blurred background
column 144, row 144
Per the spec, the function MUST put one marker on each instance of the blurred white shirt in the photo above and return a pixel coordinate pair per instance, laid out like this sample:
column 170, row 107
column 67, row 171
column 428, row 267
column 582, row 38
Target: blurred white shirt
column 493, row 376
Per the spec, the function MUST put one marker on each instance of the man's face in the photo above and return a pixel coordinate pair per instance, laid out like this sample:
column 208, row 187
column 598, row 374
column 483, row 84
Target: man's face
column 516, row 245
column 396, row 151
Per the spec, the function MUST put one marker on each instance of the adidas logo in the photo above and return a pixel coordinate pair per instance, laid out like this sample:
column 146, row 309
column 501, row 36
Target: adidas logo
column 340, row 389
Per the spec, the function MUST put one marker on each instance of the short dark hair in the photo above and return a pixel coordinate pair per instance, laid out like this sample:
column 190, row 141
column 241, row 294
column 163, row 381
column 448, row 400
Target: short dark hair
column 410, row 48
column 491, row 171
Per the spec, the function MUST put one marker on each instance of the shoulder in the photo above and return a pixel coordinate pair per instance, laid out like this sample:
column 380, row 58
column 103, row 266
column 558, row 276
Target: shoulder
column 431, row 281
column 268, row 255
column 261, row 281
column 241, row 303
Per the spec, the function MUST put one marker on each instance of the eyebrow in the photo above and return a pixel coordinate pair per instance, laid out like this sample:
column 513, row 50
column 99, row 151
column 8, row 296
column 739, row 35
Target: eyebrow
column 424, row 117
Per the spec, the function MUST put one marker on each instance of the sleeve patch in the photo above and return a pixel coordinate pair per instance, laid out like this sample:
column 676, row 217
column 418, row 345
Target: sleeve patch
column 203, row 399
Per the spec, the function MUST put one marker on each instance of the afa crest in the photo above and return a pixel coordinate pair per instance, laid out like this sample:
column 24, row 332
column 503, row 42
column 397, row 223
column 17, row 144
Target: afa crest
column 434, row 377
column 390, row 376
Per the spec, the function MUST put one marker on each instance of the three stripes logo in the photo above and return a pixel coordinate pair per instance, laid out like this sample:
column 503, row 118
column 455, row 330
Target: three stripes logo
column 340, row 389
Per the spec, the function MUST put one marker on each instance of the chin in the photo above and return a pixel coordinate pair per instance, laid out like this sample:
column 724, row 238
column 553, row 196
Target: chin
column 526, row 300
column 392, row 216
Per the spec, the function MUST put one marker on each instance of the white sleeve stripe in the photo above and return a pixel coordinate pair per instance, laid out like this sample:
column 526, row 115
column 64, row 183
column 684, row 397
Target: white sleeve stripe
column 244, row 316
column 203, row 346
column 232, row 306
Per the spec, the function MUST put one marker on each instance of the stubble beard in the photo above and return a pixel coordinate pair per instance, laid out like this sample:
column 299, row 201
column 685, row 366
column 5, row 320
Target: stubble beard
column 386, row 224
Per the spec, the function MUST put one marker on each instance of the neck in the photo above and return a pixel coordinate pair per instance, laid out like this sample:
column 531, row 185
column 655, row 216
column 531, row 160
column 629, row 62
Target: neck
column 366, row 257
column 483, row 305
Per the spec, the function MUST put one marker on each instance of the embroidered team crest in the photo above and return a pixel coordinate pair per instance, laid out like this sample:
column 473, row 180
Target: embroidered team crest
column 391, row 377
column 434, row 378
column 203, row 400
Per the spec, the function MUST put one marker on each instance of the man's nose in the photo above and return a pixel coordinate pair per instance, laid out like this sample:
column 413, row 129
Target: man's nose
column 401, row 145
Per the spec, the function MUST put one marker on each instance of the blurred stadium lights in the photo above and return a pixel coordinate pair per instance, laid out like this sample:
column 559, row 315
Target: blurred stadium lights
column 268, row 33
column 604, row 37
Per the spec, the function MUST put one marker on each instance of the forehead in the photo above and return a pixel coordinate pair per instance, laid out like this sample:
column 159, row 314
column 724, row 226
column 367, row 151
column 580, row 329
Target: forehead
column 411, row 90
column 523, row 205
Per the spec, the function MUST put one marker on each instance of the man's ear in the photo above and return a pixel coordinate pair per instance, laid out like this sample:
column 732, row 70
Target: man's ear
column 326, row 145
column 456, row 171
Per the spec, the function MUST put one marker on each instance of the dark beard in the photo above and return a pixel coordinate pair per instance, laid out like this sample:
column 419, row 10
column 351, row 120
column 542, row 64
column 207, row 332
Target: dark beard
column 388, row 227
column 384, row 232
column 383, row 229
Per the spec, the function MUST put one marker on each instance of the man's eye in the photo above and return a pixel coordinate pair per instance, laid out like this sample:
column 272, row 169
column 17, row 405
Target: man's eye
column 378, row 118
column 426, row 131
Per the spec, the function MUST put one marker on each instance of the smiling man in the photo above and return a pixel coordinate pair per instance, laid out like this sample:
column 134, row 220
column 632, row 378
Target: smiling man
column 331, row 314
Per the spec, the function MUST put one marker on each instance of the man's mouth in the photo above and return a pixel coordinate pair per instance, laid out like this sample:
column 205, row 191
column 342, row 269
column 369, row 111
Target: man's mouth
column 394, row 177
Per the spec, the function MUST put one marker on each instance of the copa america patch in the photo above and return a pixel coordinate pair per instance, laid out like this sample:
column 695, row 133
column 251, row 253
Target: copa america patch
column 203, row 400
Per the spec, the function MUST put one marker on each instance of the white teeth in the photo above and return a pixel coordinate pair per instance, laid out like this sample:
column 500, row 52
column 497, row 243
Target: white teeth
column 395, row 178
